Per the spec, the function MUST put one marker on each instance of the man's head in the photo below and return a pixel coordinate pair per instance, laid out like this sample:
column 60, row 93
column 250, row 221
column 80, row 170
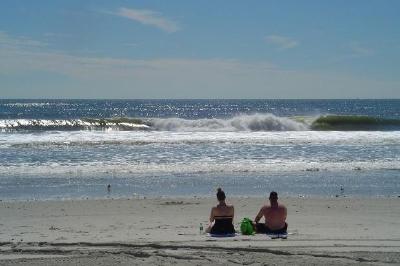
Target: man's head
column 273, row 197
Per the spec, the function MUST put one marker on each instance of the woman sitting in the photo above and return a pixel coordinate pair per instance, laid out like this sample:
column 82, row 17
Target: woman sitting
column 221, row 217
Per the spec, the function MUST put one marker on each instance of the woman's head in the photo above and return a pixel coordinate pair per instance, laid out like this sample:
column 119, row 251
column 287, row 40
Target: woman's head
column 220, row 194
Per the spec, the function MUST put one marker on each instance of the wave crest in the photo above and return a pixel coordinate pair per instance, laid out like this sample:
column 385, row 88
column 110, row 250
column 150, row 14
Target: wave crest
column 74, row 124
column 255, row 122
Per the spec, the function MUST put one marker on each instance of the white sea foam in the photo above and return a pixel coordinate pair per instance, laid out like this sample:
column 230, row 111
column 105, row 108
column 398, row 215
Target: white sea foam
column 169, row 137
column 100, row 169
column 255, row 122
column 143, row 153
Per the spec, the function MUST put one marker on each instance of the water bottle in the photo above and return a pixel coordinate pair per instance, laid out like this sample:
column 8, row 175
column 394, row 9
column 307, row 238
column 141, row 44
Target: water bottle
column 201, row 228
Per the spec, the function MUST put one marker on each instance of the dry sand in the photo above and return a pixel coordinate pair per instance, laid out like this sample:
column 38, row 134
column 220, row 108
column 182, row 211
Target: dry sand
column 164, row 231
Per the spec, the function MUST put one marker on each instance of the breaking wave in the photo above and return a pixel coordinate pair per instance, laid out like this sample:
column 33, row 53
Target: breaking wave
column 255, row 122
column 73, row 124
column 249, row 123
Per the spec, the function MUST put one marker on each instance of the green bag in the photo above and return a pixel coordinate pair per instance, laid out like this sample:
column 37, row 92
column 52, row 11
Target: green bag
column 246, row 227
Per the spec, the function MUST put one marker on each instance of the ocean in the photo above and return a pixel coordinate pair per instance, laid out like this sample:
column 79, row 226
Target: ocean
column 70, row 149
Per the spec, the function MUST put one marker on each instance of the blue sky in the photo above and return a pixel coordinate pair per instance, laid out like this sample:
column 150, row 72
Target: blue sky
column 199, row 49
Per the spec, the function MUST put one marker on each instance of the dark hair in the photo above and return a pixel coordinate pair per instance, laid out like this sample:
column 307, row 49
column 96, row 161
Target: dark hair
column 220, row 194
column 273, row 195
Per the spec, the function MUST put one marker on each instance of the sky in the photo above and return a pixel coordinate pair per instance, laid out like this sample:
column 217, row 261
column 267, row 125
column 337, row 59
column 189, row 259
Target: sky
column 310, row 49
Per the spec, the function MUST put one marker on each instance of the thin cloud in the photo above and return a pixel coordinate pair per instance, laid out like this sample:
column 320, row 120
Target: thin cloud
column 357, row 50
column 148, row 17
column 6, row 40
column 56, row 35
column 281, row 42
column 131, row 44
column 16, row 57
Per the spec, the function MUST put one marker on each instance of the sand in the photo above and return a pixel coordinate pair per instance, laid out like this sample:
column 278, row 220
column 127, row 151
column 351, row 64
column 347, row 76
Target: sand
column 165, row 231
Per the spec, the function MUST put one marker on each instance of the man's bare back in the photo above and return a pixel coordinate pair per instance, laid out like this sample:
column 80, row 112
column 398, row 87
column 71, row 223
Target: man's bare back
column 274, row 215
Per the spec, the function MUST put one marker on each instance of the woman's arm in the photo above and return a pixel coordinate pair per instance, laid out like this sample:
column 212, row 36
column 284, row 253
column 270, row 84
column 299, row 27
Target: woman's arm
column 211, row 221
column 212, row 215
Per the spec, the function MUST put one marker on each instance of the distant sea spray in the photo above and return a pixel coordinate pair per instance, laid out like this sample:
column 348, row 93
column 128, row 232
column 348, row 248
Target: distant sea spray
column 255, row 122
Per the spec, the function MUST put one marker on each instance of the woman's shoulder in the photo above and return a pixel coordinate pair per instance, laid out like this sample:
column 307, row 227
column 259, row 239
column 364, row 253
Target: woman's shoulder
column 229, row 207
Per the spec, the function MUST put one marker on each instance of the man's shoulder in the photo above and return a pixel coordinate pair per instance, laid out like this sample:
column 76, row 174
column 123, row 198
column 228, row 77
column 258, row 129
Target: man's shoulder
column 281, row 206
column 266, row 207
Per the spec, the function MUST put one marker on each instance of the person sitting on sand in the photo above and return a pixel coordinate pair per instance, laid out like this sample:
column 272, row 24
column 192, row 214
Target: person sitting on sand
column 221, row 217
column 275, row 217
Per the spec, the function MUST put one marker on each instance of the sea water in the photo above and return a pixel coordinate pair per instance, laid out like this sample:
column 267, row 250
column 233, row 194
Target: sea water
column 52, row 149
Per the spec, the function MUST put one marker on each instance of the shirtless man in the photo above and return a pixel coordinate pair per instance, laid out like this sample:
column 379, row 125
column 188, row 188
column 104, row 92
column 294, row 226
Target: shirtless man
column 275, row 217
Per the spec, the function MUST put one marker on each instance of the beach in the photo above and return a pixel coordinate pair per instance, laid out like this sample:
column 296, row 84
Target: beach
column 165, row 231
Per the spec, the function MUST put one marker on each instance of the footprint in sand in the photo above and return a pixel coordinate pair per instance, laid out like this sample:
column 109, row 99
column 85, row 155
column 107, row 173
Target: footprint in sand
column 79, row 232
column 53, row 228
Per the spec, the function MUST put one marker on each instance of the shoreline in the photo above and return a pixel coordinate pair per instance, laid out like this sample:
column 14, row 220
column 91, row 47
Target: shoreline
column 333, row 231
column 199, row 197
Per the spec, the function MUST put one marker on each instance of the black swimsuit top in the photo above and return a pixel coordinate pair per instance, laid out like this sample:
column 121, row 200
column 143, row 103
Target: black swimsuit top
column 223, row 225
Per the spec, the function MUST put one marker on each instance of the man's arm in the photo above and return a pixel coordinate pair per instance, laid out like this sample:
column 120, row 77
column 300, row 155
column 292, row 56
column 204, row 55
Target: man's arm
column 284, row 212
column 259, row 215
